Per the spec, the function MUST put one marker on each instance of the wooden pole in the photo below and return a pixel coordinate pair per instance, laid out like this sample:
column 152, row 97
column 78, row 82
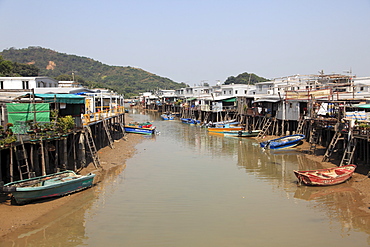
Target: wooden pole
column 1, row 174
column 74, row 152
column 11, row 164
column 65, row 156
column 43, row 169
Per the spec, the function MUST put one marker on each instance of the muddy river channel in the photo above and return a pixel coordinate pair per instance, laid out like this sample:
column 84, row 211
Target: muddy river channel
column 186, row 187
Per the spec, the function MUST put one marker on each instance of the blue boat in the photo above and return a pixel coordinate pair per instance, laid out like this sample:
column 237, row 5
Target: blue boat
column 138, row 130
column 167, row 117
column 283, row 142
column 52, row 185
column 189, row 121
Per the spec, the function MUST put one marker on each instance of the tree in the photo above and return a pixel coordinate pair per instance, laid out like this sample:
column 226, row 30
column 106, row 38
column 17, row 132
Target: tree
column 6, row 67
column 25, row 69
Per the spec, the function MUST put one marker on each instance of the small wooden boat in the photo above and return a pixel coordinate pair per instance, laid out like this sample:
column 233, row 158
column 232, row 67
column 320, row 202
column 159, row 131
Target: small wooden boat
column 242, row 133
column 140, row 130
column 52, row 185
column 167, row 117
column 189, row 121
column 330, row 176
column 283, row 142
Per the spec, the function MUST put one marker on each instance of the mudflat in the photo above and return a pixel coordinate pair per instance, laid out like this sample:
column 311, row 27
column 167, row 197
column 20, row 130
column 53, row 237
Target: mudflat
column 14, row 217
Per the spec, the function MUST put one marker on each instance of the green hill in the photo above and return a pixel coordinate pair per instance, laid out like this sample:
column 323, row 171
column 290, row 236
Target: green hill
column 245, row 78
column 127, row 80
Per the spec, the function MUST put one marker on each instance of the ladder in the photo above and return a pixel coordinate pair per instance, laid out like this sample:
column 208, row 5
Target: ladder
column 329, row 151
column 22, row 161
column 314, row 139
column 206, row 117
column 265, row 128
column 122, row 127
column 300, row 125
column 110, row 140
column 92, row 147
column 348, row 153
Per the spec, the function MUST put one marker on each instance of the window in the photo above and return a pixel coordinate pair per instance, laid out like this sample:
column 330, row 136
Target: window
column 1, row 85
column 236, row 91
column 25, row 85
column 361, row 88
column 245, row 91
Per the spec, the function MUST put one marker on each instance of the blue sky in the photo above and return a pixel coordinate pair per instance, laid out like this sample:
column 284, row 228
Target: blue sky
column 195, row 41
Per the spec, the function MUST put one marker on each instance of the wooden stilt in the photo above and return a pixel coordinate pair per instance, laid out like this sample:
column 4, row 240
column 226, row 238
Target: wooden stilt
column 43, row 169
column 65, row 155
column 11, row 165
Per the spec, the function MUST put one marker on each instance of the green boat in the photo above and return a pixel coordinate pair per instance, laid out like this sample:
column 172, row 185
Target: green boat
column 52, row 185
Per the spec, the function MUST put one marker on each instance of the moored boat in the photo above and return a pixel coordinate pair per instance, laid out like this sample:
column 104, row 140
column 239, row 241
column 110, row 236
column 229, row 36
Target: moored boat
column 189, row 121
column 52, row 185
column 139, row 130
column 323, row 177
column 225, row 129
column 242, row 133
column 167, row 117
column 283, row 142
column 140, row 125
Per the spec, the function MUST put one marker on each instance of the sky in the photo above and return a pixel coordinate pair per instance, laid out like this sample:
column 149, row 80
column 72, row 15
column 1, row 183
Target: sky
column 197, row 41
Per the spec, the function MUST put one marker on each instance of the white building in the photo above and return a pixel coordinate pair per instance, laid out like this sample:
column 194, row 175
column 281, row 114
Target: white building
column 27, row 82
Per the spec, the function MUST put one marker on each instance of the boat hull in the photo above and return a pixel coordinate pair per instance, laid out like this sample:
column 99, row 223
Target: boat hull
column 189, row 121
column 325, row 177
column 52, row 185
column 283, row 142
column 167, row 117
column 137, row 130
column 241, row 133
column 225, row 129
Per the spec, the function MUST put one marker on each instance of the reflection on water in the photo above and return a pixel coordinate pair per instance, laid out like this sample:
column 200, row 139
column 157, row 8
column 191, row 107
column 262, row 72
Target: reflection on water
column 186, row 187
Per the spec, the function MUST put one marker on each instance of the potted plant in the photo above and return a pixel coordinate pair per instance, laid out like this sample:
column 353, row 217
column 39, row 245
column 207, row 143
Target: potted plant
column 65, row 124
column 9, row 140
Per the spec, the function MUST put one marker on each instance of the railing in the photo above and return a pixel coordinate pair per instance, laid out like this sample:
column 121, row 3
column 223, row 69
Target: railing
column 96, row 116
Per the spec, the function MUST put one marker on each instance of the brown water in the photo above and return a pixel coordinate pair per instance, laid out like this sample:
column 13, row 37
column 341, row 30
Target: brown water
column 186, row 187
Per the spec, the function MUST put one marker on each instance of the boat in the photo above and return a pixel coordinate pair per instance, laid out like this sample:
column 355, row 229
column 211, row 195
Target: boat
column 329, row 176
column 226, row 129
column 140, row 125
column 139, row 130
column 52, row 185
column 283, row 142
column 167, row 117
column 189, row 121
column 242, row 133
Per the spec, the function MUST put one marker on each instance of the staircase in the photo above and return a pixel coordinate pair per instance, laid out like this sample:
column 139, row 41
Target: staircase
column 331, row 147
column 348, row 153
column 92, row 147
column 110, row 140
column 265, row 128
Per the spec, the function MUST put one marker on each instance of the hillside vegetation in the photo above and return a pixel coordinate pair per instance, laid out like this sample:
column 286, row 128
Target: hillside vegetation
column 127, row 80
column 33, row 61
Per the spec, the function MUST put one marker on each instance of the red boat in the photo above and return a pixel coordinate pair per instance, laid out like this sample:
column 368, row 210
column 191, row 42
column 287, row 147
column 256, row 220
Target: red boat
column 322, row 177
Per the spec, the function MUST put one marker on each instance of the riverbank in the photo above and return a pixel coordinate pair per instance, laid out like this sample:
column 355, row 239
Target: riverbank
column 26, row 217
column 14, row 217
